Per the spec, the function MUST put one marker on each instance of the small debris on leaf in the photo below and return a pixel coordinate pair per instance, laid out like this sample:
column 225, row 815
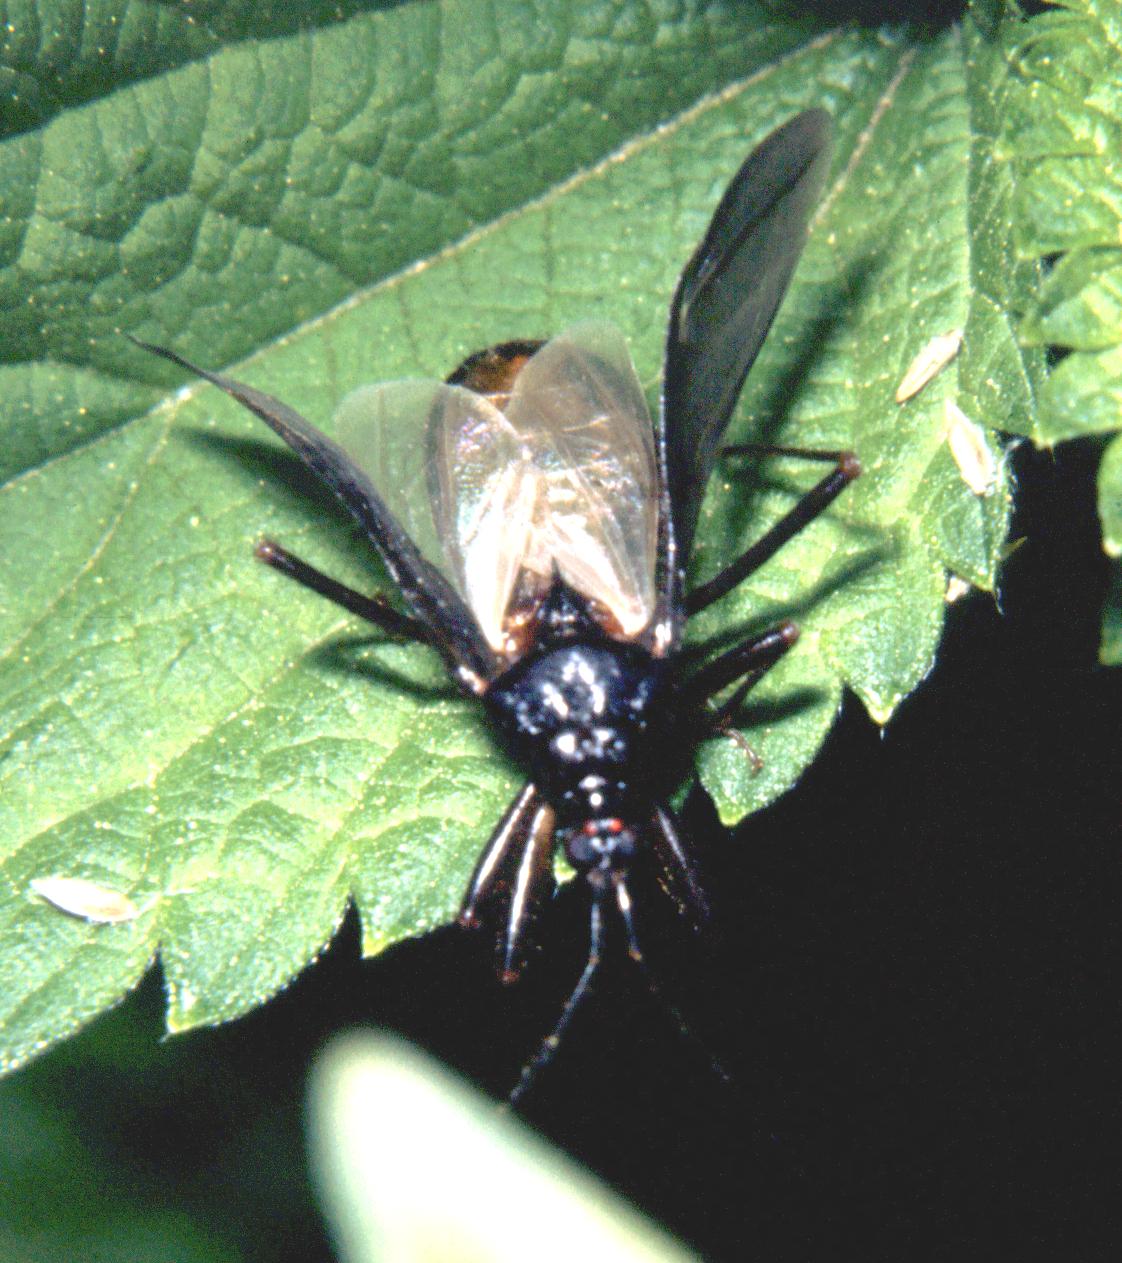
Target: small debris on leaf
column 931, row 360
column 86, row 899
column 972, row 454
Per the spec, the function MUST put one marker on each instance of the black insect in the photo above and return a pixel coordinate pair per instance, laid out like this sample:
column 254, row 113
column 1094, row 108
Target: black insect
column 537, row 528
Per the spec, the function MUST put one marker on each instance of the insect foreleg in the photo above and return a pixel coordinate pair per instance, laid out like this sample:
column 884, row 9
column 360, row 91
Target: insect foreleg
column 533, row 885
column 846, row 468
column 548, row 1047
column 374, row 609
column 677, row 873
column 493, row 869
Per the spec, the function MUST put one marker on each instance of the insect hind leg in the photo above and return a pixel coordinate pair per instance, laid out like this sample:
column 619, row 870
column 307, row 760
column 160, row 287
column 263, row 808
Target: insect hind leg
column 819, row 498
column 747, row 662
column 374, row 609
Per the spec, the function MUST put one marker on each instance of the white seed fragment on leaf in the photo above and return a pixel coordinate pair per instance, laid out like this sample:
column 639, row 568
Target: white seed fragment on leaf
column 971, row 452
column 931, row 360
column 86, row 899
column 956, row 589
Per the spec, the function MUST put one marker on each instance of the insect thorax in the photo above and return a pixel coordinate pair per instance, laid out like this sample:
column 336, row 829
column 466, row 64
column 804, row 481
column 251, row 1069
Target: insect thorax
column 592, row 721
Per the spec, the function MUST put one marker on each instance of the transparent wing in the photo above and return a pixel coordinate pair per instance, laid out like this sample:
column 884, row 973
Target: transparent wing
column 394, row 432
column 571, row 483
column 580, row 408
column 564, row 476
column 483, row 495
column 385, row 430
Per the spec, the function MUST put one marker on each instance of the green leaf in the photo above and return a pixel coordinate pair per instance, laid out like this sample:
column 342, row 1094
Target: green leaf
column 1110, row 512
column 1065, row 125
column 1110, row 651
column 1080, row 303
column 234, row 756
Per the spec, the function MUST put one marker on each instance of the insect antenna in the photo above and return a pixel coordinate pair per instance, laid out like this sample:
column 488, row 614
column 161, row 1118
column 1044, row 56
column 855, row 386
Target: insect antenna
column 548, row 1047
column 688, row 1034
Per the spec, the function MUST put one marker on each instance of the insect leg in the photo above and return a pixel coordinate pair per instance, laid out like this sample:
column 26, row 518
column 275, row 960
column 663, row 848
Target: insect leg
column 623, row 903
column 752, row 658
column 532, row 886
column 677, row 874
column 545, row 1053
column 374, row 609
column 771, row 449
column 846, row 468
column 720, row 720
column 492, row 870
column 749, row 661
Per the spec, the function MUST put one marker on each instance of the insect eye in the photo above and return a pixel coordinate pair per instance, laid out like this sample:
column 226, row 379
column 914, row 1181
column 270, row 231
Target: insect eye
column 603, row 837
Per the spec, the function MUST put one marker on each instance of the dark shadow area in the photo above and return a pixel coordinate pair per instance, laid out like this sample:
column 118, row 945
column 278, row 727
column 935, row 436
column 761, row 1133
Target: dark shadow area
column 928, row 16
column 289, row 481
column 757, row 714
column 349, row 655
column 291, row 486
column 879, row 553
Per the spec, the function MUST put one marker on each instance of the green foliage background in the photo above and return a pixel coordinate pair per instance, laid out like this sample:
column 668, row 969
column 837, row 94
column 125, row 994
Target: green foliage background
column 314, row 196
column 1066, row 130
column 374, row 197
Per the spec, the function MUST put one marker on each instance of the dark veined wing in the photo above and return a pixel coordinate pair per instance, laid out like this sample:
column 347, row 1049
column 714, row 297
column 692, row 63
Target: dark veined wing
column 563, row 476
column 726, row 299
